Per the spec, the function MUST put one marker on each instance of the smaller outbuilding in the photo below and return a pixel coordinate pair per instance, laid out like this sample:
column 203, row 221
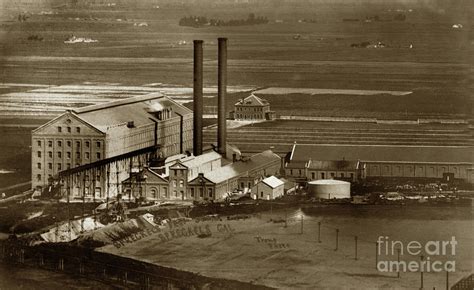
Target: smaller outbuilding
column 329, row 189
column 268, row 188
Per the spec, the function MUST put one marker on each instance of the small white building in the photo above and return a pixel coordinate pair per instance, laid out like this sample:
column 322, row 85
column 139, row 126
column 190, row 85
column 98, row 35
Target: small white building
column 268, row 188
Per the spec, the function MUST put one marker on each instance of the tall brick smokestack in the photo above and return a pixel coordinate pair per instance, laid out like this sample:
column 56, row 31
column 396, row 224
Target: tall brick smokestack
column 197, row 101
column 221, row 96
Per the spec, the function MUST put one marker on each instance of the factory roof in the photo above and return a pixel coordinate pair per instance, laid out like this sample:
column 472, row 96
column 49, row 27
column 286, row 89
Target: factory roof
column 333, row 165
column 252, row 100
column 273, row 182
column 383, row 153
column 139, row 110
column 196, row 161
column 296, row 164
column 243, row 167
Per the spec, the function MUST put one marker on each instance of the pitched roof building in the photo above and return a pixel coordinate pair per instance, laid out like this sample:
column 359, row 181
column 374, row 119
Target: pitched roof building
column 253, row 108
column 89, row 134
column 381, row 161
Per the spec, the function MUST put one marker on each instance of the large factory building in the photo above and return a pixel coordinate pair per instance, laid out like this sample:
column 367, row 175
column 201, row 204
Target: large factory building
column 355, row 162
column 89, row 134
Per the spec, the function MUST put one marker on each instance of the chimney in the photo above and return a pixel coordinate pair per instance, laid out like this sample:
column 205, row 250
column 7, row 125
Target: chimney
column 197, row 101
column 221, row 95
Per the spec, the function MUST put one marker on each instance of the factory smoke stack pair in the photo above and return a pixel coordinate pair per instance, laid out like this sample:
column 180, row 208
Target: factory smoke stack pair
column 221, row 95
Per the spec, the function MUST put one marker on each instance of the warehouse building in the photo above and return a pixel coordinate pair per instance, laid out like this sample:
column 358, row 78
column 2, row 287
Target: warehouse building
column 380, row 161
column 89, row 134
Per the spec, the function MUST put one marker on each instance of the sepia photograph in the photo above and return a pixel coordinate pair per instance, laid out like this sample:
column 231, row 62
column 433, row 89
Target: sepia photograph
column 236, row 144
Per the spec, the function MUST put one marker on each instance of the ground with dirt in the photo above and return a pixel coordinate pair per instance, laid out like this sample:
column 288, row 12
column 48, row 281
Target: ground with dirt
column 268, row 253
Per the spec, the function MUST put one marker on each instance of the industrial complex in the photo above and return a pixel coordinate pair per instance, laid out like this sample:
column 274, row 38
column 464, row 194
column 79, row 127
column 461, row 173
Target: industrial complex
column 151, row 148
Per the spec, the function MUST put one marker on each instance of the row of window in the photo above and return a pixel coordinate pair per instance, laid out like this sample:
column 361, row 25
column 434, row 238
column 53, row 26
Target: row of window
column 410, row 169
column 322, row 175
column 177, row 194
column 38, row 177
column 68, row 155
column 50, row 166
column 59, row 165
column 254, row 116
column 69, row 143
column 332, row 174
column 249, row 109
column 69, row 129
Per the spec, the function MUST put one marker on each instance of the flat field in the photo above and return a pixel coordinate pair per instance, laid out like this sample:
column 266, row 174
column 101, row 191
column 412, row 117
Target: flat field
column 264, row 252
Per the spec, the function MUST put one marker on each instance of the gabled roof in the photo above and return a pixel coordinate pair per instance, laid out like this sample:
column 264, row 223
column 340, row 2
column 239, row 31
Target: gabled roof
column 139, row 110
column 178, row 165
column 155, row 175
column 199, row 178
column 152, row 176
column 273, row 182
column 68, row 114
column 383, row 153
column 252, row 100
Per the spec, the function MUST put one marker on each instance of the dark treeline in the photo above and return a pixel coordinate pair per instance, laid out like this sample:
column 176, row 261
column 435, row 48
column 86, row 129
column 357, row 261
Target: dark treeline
column 198, row 21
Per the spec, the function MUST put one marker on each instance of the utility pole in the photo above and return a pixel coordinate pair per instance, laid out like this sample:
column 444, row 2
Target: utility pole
column 302, row 218
column 398, row 260
column 337, row 240
column 421, row 271
column 355, row 241
column 376, row 254
column 319, row 232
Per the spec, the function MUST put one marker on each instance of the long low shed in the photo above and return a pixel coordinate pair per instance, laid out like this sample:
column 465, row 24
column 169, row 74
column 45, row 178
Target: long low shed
column 392, row 161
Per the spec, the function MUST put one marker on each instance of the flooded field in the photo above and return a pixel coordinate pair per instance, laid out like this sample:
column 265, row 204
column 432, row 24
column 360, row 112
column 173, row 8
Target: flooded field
column 309, row 91
column 48, row 101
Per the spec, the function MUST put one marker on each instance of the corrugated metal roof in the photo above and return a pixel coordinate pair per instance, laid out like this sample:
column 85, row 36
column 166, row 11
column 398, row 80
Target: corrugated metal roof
column 428, row 154
column 137, row 109
column 296, row 164
column 196, row 161
column 333, row 165
column 273, row 182
column 240, row 167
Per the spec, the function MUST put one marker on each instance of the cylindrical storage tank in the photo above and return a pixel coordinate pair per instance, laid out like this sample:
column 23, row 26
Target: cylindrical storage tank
column 329, row 188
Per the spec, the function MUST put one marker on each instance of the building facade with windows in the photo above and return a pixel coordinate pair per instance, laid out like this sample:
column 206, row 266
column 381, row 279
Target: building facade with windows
column 252, row 108
column 353, row 162
column 203, row 178
column 89, row 134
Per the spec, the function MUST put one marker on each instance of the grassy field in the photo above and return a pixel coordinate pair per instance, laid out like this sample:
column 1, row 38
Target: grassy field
column 300, row 261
